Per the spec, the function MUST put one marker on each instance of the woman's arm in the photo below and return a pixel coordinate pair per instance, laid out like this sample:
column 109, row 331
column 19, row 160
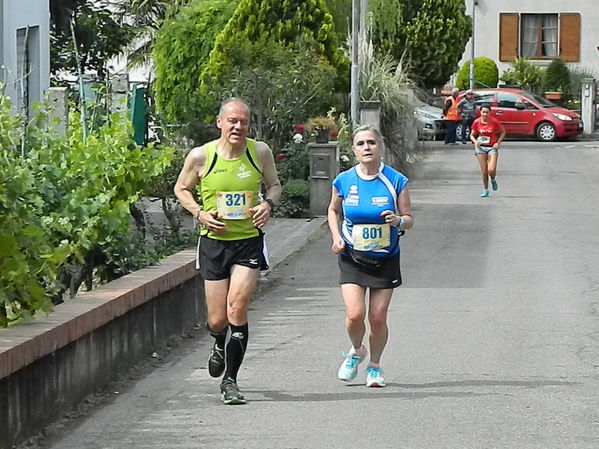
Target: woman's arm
column 334, row 215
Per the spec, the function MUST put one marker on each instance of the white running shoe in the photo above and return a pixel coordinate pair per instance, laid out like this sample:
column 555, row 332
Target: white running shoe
column 374, row 377
column 349, row 368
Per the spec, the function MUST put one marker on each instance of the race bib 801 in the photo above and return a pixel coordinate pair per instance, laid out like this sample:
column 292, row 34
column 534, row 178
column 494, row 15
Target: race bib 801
column 370, row 237
column 234, row 205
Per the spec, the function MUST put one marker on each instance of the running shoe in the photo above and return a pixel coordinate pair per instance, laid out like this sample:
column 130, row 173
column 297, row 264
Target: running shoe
column 349, row 368
column 494, row 184
column 230, row 392
column 216, row 361
column 484, row 193
column 374, row 377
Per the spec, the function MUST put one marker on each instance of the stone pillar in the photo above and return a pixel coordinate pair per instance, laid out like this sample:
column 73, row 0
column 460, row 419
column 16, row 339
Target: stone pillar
column 587, row 105
column 370, row 114
column 119, row 91
column 324, row 166
column 58, row 102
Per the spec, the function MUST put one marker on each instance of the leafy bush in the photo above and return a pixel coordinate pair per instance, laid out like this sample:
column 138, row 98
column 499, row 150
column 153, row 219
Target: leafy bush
column 486, row 74
column 63, row 205
column 296, row 199
column 382, row 79
column 283, row 84
column 525, row 74
column 578, row 73
column 293, row 162
column 557, row 77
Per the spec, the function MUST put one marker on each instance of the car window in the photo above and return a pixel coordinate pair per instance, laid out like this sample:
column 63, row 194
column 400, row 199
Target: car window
column 528, row 105
column 480, row 99
column 507, row 100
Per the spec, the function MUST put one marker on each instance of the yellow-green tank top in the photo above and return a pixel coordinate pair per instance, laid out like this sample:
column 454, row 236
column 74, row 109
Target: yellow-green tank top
column 231, row 182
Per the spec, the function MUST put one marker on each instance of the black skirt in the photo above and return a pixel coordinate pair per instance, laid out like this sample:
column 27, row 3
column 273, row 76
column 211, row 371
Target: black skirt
column 387, row 276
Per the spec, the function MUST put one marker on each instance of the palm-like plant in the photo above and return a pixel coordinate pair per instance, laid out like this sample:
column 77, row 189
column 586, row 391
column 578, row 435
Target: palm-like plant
column 388, row 81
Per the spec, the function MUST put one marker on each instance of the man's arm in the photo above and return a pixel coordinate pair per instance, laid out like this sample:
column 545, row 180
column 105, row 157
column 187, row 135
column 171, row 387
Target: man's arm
column 446, row 106
column 261, row 213
column 186, row 183
column 188, row 180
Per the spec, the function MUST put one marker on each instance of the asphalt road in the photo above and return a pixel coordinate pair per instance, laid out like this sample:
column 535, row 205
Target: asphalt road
column 494, row 334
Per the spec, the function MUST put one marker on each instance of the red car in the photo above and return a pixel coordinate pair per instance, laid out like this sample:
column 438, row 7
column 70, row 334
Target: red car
column 523, row 113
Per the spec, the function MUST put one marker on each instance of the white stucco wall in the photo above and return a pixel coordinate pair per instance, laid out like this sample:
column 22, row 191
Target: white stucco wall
column 486, row 30
column 20, row 14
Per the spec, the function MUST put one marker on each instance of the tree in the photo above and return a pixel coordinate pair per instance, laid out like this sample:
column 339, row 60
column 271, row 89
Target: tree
column 181, row 51
column 272, row 20
column 557, row 77
column 432, row 34
column 486, row 73
column 98, row 33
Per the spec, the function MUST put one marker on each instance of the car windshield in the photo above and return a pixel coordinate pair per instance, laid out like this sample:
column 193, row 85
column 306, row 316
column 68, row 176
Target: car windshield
column 543, row 102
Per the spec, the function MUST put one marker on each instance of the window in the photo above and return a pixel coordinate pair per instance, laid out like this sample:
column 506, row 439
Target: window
column 507, row 100
column 28, row 69
column 539, row 36
column 486, row 98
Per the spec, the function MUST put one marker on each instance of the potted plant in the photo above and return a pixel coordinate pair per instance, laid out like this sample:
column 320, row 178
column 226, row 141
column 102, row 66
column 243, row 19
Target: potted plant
column 321, row 128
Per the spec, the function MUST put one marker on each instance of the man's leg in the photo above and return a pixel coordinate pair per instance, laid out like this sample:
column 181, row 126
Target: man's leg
column 216, row 304
column 241, row 288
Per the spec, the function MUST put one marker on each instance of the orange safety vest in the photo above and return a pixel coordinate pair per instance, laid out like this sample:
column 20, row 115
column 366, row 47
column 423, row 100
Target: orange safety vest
column 452, row 113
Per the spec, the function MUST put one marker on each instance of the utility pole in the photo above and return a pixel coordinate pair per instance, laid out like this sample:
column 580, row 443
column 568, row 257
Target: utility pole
column 474, row 3
column 355, row 65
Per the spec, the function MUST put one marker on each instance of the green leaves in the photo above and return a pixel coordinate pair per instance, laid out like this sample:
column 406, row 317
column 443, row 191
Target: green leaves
column 64, row 200
column 431, row 33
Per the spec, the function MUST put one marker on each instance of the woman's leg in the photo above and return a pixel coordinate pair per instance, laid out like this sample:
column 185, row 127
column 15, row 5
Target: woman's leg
column 355, row 309
column 377, row 318
column 484, row 169
column 492, row 165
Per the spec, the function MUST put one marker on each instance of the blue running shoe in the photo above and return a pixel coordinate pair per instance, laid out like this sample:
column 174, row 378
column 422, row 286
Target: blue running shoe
column 349, row 368
column 374, row 377
column 484, row 193
column 494, row 184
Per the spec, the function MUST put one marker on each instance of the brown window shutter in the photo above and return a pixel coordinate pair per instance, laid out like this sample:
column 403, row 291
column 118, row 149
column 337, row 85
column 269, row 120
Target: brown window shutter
column 508, row 36
column 569, row 37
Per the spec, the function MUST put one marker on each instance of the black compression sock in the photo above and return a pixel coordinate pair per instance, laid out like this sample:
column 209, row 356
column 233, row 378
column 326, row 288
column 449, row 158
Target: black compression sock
column 235, row 350
column 219, row 337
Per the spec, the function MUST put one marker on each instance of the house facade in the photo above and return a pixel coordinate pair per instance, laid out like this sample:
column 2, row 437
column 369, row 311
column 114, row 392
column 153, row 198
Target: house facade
column 540, row 31
column 25, row 51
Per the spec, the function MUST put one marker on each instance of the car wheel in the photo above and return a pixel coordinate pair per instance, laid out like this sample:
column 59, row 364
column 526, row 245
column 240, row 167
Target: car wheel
column 546, row 132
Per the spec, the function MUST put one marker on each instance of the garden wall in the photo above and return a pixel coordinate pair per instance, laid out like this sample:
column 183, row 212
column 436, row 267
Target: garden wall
column 49, row 365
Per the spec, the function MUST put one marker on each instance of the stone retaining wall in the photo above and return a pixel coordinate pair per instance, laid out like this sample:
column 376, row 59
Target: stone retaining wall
column 49, row 365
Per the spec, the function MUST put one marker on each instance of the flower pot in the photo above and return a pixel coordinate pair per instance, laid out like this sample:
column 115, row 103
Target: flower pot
column 553, row 95
column 322, row 136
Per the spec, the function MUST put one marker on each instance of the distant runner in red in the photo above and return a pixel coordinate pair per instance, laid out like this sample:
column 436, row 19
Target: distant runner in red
column 487, row 134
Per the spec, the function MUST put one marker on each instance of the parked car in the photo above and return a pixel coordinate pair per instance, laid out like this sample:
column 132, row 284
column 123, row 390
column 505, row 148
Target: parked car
column 524, row 113
column 430, row 118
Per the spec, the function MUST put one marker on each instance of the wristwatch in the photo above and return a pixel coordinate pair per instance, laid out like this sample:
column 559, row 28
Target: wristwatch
column 271, row 204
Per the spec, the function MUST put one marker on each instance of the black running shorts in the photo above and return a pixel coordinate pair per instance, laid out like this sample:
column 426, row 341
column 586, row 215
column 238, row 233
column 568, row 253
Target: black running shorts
column 387, row 276
column 217, row 257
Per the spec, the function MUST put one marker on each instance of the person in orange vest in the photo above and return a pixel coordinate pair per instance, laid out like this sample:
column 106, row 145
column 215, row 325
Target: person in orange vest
column 451, row 116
